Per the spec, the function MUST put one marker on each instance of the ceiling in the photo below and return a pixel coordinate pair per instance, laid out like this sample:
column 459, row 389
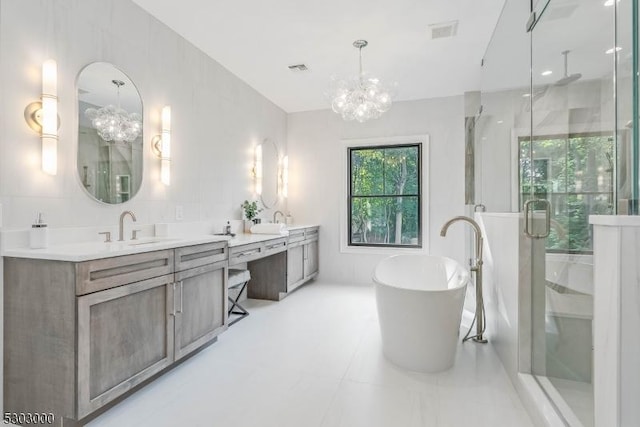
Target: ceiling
column 584, row 28
column 256, row 40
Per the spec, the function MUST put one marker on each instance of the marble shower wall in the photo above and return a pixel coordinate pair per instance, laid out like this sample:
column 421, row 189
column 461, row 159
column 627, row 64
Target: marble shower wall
column 616, row 319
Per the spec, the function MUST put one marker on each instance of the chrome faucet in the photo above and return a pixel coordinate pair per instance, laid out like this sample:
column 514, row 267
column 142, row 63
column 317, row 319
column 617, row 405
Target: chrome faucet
column 275, row 214
column 121, row 230
column 480, row 319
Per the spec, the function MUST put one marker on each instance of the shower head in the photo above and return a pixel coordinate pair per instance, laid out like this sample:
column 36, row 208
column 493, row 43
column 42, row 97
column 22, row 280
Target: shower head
column 566, row 79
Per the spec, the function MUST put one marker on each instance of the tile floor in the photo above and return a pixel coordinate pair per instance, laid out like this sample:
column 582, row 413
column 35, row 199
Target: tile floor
column 315, row 359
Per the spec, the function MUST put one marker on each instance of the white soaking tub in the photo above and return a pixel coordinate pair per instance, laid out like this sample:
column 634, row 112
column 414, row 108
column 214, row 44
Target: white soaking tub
column 420, row 301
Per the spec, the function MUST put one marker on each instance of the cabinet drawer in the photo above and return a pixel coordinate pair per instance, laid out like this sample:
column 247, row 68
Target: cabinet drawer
column 245, row 253
column 101, row 274
column 275, row 246
column 296, row 236
column 311, row 234
column 196, row 256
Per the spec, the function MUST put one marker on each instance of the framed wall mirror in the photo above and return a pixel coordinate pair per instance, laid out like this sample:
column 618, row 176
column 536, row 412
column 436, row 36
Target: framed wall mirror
column 270, row 174
column 110, row 139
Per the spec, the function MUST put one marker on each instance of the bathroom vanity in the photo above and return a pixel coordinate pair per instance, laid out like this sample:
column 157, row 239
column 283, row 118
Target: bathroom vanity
column 84, row 326
column 79, row 334
column 302, row 257
column 278, row 266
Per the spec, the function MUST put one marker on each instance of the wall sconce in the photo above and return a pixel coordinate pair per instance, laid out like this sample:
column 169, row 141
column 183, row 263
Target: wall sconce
column 257, row 169
column 42, row 117
column 161, row 146
column 284, row 177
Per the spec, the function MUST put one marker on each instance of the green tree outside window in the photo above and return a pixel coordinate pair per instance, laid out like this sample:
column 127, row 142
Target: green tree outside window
column 575, row 174
column 384, row 196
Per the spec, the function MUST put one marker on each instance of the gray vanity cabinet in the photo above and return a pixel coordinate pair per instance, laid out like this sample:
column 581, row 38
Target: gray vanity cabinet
column 200, row 295
column 125, row 336
column 201, row 306
column 295, row 264
column 302, row 257
column 78, row 335
column 295, row 259
column 311, row 253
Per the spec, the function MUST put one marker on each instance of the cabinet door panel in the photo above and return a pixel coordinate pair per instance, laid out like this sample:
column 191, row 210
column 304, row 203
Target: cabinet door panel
column 311, row 261
column 295, row 265
column 125, row 335
column 200, row 307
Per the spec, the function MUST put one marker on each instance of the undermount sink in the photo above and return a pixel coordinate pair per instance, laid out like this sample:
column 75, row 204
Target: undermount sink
column 151, row 241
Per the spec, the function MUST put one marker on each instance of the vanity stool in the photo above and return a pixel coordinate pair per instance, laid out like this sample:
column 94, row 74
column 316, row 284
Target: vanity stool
column 237, row 278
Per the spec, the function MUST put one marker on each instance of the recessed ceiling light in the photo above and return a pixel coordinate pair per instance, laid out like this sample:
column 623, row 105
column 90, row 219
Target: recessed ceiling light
column 547, row 73
column 526, row 95
column 610, row 51
column 609, row 3
column 500, row 122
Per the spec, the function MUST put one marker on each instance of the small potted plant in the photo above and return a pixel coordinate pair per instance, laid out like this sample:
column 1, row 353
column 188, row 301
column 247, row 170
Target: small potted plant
column 251, row 211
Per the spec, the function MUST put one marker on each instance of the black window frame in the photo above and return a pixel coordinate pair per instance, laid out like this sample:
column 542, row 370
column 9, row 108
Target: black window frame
column 350, row 195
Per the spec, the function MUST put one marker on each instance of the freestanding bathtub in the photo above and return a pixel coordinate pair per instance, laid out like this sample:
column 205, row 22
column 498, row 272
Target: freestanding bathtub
column 420, row 301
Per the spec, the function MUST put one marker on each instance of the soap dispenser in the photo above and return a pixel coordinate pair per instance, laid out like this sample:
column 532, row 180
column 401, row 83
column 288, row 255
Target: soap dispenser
column 39, row 235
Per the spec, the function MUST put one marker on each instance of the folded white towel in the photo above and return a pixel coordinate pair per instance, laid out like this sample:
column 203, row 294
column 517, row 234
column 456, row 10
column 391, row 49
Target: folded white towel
column 269, row 228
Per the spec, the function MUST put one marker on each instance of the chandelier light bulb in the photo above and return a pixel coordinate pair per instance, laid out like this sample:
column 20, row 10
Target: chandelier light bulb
column 360, row 98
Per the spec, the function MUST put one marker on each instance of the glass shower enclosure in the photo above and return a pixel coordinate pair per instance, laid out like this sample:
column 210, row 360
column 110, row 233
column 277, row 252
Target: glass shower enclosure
column 557, row 140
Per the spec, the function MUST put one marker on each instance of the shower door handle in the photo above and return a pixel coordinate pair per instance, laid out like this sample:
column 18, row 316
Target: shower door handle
column 528, row 205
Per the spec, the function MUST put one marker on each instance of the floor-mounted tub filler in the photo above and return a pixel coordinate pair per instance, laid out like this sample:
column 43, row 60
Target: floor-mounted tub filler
column 420, row 301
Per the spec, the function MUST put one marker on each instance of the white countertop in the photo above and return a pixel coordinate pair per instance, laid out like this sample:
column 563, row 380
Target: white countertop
column 76, row 252
column 245, row 239
column 299, row 226
column 85, row 251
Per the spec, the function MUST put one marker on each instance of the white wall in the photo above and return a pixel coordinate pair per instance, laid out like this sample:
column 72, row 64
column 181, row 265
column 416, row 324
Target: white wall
column 314, row 140
column 216, row 118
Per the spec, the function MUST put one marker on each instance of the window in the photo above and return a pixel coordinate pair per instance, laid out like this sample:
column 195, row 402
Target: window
column 575, row 173
column 384, row 196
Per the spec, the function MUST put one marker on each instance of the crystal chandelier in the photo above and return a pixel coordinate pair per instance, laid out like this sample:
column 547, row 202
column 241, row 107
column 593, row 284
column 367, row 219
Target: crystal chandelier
column 114, row 123
column 361, row 98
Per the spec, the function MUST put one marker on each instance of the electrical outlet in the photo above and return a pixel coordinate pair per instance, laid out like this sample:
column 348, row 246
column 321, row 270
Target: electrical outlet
column 179, row 213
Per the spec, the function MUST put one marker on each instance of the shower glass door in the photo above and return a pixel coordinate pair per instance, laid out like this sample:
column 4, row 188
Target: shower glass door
column 567, row 172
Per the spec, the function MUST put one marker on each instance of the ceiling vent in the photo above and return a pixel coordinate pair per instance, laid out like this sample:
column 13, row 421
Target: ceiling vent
column 298, row 68
column 443, row 30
